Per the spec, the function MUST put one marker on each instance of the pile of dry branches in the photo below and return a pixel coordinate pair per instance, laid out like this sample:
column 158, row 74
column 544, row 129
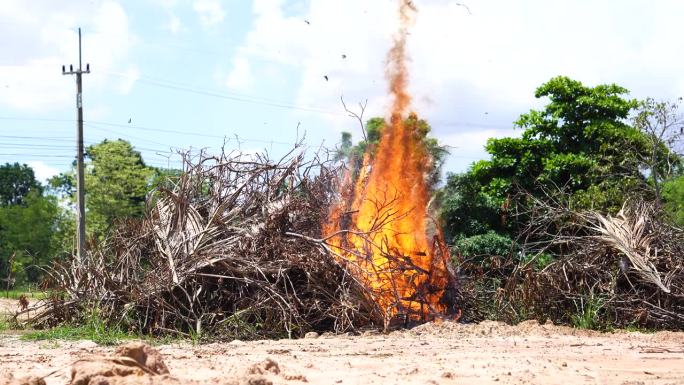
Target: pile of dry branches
column 618, row 271
column 230, row 247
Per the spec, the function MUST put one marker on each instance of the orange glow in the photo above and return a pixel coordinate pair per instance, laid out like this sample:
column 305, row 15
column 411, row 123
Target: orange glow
column 381, row 224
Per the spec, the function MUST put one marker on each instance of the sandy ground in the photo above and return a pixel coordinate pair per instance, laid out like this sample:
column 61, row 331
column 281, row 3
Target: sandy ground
column 445, row 353
column 8, row 306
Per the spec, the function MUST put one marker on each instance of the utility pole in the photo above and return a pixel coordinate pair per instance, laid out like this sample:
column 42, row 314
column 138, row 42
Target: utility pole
column 80, row 184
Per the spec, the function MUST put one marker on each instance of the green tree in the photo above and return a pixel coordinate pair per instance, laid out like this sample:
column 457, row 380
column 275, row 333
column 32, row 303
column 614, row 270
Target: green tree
column 673, row 199
column 663, row 125
column 373, row 132
column 579, row 143
column 466, row 209
column 16, row 182
column 117, row 181
column 30, row 231
column 579, row 140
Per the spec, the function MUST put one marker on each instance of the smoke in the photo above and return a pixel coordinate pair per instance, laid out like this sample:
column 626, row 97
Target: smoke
column 396, row 71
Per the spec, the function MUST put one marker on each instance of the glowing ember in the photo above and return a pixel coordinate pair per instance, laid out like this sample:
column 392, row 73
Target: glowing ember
column 381, row 225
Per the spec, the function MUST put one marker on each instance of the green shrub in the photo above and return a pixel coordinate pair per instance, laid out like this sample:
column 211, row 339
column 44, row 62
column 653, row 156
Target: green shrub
column 673, row 199
column 93, row 328
column 540, row 261
column 479, row 249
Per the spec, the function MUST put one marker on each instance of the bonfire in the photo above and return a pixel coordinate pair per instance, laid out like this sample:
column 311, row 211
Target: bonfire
column 380, row 225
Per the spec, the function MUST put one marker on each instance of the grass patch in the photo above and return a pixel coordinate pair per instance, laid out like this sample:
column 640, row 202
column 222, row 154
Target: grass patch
column 18, row 292
column 588, row 313
column 4, row 323
column 93, row 328
column 66, row 332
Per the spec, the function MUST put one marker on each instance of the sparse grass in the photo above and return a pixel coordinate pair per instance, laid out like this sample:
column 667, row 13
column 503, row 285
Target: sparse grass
column 17, row 292
column 50, row 345
column 637, row 328
column 4, row 323
column 588, row 313
column 101, row 337
column 94, row 328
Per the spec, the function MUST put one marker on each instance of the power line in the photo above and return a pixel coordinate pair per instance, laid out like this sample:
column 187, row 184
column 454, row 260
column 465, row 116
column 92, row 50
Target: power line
column 151, row 129
column 124, row 135
column 39, row 155
column 53, row 147
column 447, row 123
column 36, row 119
column 53, row 138
column 228, row 96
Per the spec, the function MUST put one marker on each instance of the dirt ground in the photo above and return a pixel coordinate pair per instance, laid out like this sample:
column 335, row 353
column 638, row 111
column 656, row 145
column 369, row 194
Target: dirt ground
column 444, row 353
column 8, row 306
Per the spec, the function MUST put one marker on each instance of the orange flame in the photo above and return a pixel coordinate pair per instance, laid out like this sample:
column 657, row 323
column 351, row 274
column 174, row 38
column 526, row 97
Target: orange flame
column 381, row 225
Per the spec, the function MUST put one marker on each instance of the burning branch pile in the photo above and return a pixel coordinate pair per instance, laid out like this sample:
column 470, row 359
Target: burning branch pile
column 231, row 247
column 280, row 247
column 381, row 223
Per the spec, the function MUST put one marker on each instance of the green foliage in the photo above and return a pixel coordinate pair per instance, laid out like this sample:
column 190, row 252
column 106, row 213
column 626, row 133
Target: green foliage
column 17, row 292
column 16, row 183
column 539, row 262
column 588, row 315
column 117, row 182
column 374, row 129
column 4, row 323
column 673, row 199
column 31, row 232
column 100, row 336
column 466, row 209
column 94, row 328
column 578, row 144
column 345, row 148
column 579, row 140
column 661, row 122
column 480, row 248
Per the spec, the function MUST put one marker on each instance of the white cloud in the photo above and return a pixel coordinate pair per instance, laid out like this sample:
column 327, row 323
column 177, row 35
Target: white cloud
column 42, row 170
column 131, row 76
column 241, row 75
column 46, row 39
column 477, row 68
column 174, row 25
column 165, row 3
column 210, row 12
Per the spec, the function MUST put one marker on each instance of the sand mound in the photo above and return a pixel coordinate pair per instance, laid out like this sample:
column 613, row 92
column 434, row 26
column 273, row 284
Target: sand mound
column 138, row 363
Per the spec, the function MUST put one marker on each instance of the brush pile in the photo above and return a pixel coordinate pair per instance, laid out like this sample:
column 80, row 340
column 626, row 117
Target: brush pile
column 625, row 270
column 231, row 247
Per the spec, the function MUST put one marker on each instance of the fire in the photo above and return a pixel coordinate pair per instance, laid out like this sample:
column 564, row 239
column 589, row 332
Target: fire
column 381, row 225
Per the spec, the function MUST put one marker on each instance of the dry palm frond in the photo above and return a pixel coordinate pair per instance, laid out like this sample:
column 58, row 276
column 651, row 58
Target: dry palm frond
column 630, row 234
column 222, row 249
column 632, row 263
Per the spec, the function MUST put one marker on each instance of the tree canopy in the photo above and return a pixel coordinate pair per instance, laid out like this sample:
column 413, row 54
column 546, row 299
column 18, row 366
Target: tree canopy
column 579, row 144
column 373, row 132
column 17, row 181
column 117, row 181
column 31, row 232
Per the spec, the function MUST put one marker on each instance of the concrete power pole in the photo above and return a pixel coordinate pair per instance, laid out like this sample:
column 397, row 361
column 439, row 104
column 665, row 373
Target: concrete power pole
column 80, row 184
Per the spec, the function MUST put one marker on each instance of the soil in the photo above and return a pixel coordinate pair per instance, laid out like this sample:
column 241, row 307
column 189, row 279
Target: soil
column 8, row 306
column 435, row 353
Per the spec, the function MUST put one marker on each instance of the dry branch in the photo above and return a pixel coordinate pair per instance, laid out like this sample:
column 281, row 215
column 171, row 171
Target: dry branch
column 230, row 247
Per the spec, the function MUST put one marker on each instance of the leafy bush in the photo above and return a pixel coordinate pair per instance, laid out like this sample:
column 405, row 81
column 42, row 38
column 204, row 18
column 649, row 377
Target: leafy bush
column 673, row 197
column 479, row 249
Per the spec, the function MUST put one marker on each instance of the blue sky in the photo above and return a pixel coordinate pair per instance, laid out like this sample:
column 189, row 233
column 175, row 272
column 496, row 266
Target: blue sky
column 188, row 73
